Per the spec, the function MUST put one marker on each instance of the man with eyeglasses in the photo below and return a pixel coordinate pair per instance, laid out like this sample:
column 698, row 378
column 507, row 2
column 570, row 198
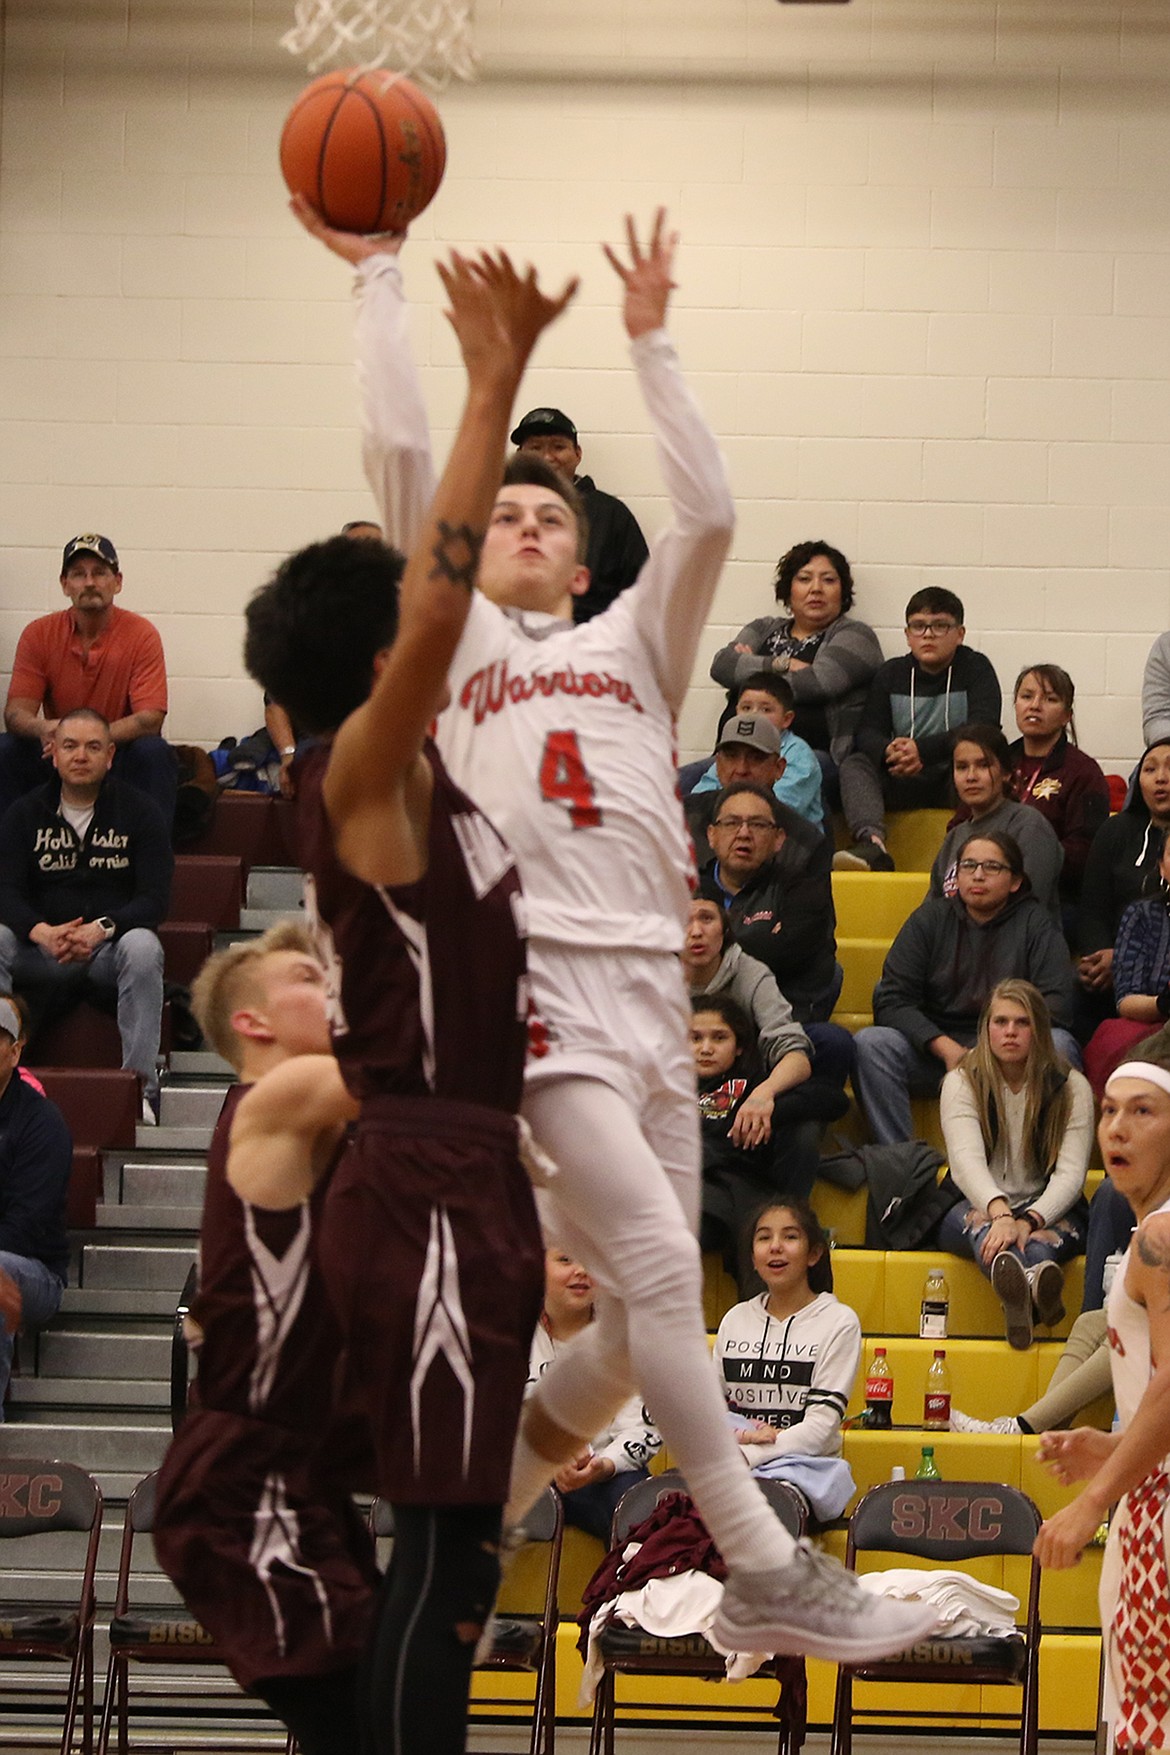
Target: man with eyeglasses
column 939, row 973
column 773, row 873
column 902, row 756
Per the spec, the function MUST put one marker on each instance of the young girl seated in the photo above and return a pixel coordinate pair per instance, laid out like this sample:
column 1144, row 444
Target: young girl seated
column 592, row 1483
column 743, row 1159
column 788, row 1357
column 1018, row 1126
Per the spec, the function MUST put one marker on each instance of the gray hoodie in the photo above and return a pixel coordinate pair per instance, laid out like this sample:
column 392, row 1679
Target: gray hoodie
column 752, row 985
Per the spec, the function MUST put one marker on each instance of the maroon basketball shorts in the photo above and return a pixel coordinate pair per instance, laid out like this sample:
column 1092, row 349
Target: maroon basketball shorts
column 431, row 1253
column 270, row 1557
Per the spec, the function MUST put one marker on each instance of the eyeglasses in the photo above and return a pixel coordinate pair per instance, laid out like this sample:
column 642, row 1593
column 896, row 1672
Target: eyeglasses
column 941, row 625
column 992, row 867
column 757, row 825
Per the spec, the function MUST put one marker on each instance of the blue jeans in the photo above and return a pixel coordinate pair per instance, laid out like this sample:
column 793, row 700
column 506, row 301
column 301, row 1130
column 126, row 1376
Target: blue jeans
column 130, row 966
column 1057, row 1242
column 890, row 1070
column 40, row 1291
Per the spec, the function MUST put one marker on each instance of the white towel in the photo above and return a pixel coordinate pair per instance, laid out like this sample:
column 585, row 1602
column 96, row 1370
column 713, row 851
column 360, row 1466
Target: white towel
column 967, row 1609
column 670, row 1608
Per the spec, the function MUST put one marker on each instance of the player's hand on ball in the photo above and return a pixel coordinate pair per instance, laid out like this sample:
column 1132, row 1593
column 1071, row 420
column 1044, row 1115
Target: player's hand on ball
column 350, row 246
column 648, row 280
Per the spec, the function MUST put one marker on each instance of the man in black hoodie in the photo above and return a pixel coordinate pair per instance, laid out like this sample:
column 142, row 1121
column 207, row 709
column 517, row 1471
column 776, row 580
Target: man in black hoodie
column 85, row 877
column 939, row 973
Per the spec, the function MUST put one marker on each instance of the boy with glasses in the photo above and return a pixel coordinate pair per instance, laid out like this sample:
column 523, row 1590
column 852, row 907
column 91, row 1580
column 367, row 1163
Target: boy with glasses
column 902, row 758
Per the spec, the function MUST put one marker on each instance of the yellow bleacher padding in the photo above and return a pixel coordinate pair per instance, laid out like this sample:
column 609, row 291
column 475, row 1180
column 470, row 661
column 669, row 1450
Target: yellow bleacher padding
column 915, row 836
column 875, row 904
column 861, row 959
column 982, row 1371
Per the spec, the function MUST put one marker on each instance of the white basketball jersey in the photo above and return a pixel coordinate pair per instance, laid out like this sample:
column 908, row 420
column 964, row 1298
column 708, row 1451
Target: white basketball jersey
column 563, row 735
column 567, row 744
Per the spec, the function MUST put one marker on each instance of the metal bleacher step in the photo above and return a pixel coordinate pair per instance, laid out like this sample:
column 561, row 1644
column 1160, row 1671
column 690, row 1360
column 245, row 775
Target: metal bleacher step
column 134, row 1266
column 85, row 1398
column 105, row 1354
column 173, row 1139
column 164, row 1184
column 102, row 1303
column 200, row 1063
column 191, row 1105
column 276, row 887
column 180, row 1221
column 260, row 919
column 129, row 1449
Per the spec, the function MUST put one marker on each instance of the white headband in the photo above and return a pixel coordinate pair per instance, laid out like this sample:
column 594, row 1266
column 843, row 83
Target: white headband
column 1142, row 1069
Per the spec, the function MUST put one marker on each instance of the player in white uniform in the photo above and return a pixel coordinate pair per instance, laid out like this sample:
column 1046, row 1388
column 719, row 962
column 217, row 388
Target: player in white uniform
column 1130, row 1468
column 565, row 737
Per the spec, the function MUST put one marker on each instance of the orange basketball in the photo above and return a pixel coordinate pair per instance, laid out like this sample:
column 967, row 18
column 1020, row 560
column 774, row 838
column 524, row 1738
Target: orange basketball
column 367, row 149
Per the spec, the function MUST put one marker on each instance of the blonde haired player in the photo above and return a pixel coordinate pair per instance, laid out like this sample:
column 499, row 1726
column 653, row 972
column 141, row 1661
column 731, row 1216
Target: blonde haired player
column 255, row 1524
column 565, row 737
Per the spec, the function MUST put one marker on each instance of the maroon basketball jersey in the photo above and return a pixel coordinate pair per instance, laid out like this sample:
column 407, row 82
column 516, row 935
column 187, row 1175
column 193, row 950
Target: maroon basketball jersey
column 261, row 1326
column 428, row 980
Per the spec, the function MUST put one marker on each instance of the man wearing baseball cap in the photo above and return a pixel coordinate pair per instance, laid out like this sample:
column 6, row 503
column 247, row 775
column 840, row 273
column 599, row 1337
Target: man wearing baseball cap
column 93, row 654
column 36, row 1156
column 616, row 547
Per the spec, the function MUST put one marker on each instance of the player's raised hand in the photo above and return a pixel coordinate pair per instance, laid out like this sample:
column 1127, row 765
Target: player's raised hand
column 350, row 246
column 498, row 313
column 648, row 278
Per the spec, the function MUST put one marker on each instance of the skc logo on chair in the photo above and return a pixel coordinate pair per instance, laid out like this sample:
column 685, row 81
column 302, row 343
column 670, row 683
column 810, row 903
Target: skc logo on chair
column 24, row 1496
column 942, row 1519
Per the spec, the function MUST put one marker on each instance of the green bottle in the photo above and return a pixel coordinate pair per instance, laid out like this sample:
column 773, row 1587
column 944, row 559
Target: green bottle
column 927, row 1469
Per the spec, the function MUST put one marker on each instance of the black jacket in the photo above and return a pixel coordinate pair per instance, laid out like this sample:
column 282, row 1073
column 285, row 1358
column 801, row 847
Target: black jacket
column 941, row 968
column 36, row 1155
column 1122, row 867
column 616, row 552
column 783, row 915
column 123, row 867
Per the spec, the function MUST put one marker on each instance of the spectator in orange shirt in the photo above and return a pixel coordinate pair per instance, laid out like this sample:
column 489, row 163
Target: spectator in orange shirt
column 91, row 654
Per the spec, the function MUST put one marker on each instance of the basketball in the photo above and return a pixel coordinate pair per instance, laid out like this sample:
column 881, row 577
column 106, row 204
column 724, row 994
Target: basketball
column 367, row 149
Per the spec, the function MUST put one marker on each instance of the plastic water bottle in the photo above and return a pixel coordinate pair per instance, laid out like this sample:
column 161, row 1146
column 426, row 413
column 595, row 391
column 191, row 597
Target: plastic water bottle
column 897, row 1473
column 879, row 1391
column 936, row 1403
column 927, row 1469
column 936, row 1304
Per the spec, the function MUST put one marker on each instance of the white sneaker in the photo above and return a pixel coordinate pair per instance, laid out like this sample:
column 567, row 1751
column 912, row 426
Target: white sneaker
column 813, row 1607
column 148, row 1118
column 1003, row 1424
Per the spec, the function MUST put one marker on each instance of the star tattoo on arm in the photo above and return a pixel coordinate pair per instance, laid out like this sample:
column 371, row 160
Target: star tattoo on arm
column 456, row 554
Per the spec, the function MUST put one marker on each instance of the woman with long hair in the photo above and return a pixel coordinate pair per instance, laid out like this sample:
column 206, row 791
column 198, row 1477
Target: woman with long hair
column 1130, row 1467
column 1051, row 773
column 1018, row 1126
column 1122, row 868
column 827, row 654
column 982, row 773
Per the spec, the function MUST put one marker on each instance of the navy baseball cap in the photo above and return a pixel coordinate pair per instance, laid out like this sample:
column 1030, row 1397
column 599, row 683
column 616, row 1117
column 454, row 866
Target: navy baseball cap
column 544, row 422
column 101, row 546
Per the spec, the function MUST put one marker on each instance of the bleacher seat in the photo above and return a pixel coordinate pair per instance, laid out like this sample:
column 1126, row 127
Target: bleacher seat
column 256, row 829
column 101, row 1107
column 208, row 888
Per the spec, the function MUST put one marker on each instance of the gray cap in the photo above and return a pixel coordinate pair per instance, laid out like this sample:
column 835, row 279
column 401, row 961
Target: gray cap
column 753, row 731
column 10, row 1020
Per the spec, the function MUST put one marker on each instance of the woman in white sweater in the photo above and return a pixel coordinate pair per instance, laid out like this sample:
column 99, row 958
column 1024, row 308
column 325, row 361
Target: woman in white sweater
column 1018, row 1125
column 788, row 1357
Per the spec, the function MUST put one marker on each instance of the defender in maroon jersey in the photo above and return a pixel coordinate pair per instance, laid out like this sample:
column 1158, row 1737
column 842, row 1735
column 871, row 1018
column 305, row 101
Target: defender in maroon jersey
column 430, row 1244
column 254, row 1522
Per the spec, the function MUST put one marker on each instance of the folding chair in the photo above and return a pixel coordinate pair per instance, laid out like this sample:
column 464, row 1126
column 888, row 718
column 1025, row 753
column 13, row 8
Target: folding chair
column 521, row 1642
column 41, row 1498
column 949, row 1522
column 632, row 1651
column 148, row 1633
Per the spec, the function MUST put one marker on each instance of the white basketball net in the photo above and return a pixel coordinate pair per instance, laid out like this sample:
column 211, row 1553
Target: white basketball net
column 429, row 40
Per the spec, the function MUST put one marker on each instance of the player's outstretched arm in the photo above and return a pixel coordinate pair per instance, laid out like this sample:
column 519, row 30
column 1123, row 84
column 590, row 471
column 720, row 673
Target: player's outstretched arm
column 286, row 1129
column 671, row 601
column 396, row 440
column 377, row 789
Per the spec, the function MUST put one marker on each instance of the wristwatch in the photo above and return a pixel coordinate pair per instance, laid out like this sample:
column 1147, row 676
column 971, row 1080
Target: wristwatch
column 108, row 926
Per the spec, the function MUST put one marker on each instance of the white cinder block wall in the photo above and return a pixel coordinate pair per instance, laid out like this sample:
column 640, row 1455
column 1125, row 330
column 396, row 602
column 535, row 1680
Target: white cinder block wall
column 925, row 298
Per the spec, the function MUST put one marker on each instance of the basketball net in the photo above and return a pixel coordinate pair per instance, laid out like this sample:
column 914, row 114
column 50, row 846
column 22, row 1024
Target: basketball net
column 429, row 40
